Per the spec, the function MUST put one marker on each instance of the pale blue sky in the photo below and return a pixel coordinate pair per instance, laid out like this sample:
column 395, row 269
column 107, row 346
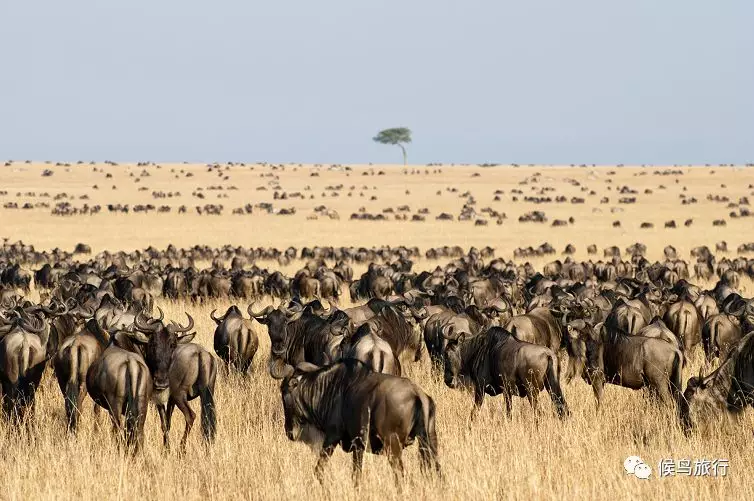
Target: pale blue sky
column 549, row 81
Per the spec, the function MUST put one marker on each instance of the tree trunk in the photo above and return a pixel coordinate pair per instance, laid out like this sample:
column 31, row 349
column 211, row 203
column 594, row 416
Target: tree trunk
column 403, row 149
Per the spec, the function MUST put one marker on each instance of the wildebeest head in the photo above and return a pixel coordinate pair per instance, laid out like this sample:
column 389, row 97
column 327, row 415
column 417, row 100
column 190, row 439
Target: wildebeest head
column 575, row 341
column 585, row 350
column 276, row 320
column 452, row 360
column 296, row 415
column 699, row 399
column 160, row 341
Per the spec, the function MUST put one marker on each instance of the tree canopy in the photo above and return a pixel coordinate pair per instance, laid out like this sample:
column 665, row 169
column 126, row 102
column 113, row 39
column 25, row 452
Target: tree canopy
column 397, row 136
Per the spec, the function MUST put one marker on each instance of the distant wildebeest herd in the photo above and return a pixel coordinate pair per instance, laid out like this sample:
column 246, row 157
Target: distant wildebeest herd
column 538, row 192
column 487, row 324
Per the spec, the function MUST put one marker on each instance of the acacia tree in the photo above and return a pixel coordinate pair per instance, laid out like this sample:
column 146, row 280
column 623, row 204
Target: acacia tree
column 397, row 136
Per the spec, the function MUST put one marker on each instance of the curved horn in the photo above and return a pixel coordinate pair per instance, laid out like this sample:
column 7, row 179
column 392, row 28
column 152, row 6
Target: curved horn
column 262, row 313
column 735, row 313
column 162, row 315
column 216, row 319
column 141, row 323
column 426, row 281
column 190, row 325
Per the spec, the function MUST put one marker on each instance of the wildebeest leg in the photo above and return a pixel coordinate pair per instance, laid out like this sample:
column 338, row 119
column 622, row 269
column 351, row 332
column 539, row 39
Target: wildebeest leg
column 328, row 447
column 358, row 462
column 245, row 367
column 532, row 394
column 395, row 450
column 598, row 386
column 478, row 401
column 189, row 415
column 164, row 425
column 508, row 397
column 117, row 418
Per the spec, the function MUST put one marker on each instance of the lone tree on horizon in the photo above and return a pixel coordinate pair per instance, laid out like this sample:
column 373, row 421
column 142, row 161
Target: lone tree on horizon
column 395, row 136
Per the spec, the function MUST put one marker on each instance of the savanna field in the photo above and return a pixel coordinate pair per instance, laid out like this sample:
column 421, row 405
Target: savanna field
column 494, row 458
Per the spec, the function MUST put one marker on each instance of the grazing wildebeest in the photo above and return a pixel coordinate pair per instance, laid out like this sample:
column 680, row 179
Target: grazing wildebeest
column 181, row 371
column 497, row 363
column 728, row 390
column 119, row 381
column 235, row 341
column 358, row 408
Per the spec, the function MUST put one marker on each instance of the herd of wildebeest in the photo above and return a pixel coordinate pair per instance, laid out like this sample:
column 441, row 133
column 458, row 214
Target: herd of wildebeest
column 487, row 324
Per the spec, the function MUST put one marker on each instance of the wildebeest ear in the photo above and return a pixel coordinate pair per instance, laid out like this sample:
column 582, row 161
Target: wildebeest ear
column 261, row 320
column 461, row 338
column 186, row 338
column 291, row 382
column 138, row 337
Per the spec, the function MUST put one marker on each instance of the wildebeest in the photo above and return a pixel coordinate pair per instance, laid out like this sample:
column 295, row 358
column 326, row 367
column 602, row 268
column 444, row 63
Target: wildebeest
column 299, row 336
column 235, row 341
column 727, row 390
column 358, row 408
column 120, row 382
column 181, row 371
column 72, row 362
column 497, row 363
column 538, row 326
column 367, row 346
column 719, row 333
column 23, row 357
column 634, row 362
column 684, row 320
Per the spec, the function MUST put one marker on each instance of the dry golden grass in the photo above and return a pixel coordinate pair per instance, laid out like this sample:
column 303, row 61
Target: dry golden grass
column 581, row 458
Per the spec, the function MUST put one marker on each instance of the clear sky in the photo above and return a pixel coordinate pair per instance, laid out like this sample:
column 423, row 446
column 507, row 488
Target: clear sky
column 527, row 81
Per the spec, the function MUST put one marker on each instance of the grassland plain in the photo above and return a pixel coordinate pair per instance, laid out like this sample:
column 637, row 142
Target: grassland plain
column 495, row 458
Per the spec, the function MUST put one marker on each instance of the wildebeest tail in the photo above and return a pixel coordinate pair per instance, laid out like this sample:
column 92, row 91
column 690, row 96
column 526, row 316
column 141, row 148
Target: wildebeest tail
column 73, row 387
column 133, row 410
column 552, row 385
column 712, row 349
column 24, row 356
column 206, row 383
column 676, row 378
column 424, row 430
column 684, row 322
